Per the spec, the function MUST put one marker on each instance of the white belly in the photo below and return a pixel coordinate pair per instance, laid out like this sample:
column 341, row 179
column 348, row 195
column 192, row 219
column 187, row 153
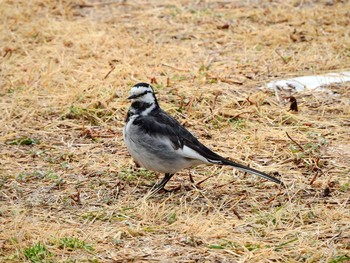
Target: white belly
column 156, row 154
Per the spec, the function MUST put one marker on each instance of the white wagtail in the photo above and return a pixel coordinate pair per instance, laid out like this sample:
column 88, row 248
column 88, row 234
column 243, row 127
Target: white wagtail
column 160, row 143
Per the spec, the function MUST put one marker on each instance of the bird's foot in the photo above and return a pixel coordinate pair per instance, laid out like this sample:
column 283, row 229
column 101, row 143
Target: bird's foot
column 158, row 188
column 193, row 186
column 175, row 189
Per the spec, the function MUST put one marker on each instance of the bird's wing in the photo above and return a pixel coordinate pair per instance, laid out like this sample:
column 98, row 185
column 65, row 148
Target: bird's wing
column 160, row 124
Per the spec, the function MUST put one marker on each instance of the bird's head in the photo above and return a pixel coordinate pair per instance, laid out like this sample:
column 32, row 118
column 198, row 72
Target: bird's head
column 142, row 92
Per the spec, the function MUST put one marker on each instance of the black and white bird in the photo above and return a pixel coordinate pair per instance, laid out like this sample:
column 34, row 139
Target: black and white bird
column 158, row 142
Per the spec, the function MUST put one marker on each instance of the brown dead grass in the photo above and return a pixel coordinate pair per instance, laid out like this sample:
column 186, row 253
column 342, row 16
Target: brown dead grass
column 66, row 69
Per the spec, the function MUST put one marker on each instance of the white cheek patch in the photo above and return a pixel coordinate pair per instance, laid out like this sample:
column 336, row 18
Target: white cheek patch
column 148, row 98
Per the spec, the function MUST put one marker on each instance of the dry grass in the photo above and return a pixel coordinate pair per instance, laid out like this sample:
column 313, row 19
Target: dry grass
column 66, row 179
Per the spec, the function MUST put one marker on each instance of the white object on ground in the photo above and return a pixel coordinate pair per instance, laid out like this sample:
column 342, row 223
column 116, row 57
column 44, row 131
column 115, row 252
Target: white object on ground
column 317, row 82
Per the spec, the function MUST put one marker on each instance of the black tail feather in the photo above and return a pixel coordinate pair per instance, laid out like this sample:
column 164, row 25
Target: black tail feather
column 251, row 170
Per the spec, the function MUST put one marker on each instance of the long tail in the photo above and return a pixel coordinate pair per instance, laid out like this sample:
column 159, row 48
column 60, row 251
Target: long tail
column 251, row 170
column 193, row 148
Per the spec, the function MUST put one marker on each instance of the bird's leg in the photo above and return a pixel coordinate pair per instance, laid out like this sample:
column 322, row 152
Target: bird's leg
column 164, row 181
column 161, row 185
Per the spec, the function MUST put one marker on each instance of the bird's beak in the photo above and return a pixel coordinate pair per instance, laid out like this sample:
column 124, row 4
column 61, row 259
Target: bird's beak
column 132, row 97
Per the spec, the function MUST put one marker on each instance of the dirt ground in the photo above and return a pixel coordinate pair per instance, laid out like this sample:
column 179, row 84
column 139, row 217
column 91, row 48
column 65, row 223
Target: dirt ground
column 69, row 191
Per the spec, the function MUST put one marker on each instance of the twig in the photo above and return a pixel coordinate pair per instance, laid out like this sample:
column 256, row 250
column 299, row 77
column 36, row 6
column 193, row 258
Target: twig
column 76, row 197
column 227, row 115
column 294, row 104
column 228, row 81
column 191, row 178
column 200, row 182
column 168, row 82
column 123, row 2
column 189, row 104
column 182, row 102
column 279, row 54
column 214, row 101
column 301, row 147
column 251, row 103
column 179, row 69
column 154, row 80
column 236, row 213
column 109, row 72
column 222, row 185
column 274, row 197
